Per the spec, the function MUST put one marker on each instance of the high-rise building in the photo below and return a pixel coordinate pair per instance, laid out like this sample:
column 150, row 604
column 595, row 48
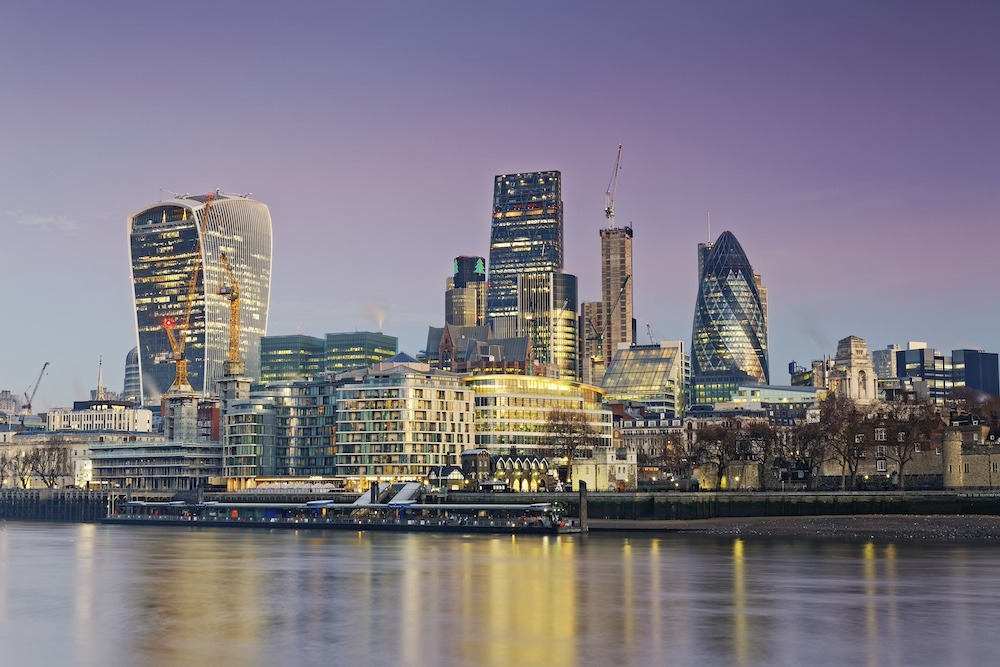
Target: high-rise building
column 614, row 324
column 292, row 357
column 546, row 306
column 465, row 293
column 178, row 278
column 526, row 238
column 132, row 388
column 357, row 349
column 729, row 336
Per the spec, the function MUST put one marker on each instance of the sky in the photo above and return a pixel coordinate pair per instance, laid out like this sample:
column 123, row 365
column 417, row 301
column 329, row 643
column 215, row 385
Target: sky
column 851, row 146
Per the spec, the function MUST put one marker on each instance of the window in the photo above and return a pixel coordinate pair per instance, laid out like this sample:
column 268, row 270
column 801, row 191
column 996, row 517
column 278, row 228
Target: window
column 880, row 435
column 880, row 465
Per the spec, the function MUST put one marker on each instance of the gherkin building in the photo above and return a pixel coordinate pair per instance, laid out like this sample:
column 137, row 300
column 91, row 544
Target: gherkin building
column 729, row 336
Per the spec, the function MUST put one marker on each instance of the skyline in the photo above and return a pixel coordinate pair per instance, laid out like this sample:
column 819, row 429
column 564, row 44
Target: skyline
column 852, row 149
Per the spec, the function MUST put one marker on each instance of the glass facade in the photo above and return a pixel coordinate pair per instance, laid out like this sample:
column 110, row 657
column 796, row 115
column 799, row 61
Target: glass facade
column 176, row 245
column 294, row 357
column 729, row 336
column 546, row 304
column 526, row 237
column 358, row 349
column 655, row 375
column 513, row 413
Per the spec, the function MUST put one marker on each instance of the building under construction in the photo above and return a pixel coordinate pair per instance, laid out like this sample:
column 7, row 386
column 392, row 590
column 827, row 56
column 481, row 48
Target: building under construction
column 187, row 254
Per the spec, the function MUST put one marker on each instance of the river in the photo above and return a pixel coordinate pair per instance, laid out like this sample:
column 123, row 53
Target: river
column 80, row 594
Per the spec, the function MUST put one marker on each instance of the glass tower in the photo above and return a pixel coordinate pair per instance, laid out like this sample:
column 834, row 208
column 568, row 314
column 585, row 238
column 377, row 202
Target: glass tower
column 180, row 281
column 357, row 349
column 526, row 237
column 729, row 336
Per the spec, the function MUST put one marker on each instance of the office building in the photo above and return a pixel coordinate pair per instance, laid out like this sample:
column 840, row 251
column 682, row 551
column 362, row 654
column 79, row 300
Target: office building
column 465, row 293
column 655, row 376
column 729, row 336
column 357, row 349
column 522, row 415
column 178, row 278
column 292, row 357
column 526, row 237
column 132, row 388
column 546, row 307
column 926, row 374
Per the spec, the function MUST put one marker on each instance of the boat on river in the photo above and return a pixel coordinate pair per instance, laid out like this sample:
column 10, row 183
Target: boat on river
column 400, row 516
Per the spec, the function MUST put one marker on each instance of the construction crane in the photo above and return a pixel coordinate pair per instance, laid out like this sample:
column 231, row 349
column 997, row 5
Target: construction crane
column 598, row 358
column 30, row 397
column 231, row 290
column 649, row 332
column 177, row 341
column 609, row 195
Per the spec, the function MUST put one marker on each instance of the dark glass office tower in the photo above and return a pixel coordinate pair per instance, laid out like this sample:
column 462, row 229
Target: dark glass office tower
column 179, row 280
column 526, row 238
column 729, row 336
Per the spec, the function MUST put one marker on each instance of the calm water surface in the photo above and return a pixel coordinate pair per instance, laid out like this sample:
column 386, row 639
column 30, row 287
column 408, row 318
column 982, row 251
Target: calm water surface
column 130, row 595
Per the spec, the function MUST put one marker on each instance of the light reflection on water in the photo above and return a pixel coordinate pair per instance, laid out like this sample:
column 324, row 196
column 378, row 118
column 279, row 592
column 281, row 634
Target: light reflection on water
column 118, row 595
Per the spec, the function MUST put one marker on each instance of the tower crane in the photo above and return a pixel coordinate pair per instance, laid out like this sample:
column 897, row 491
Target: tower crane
column 177, row 341
column 231, row 290
column 609, row 195
column 29, row 398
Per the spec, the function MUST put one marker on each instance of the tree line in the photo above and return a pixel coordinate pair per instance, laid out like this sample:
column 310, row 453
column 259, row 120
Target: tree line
column 846, row 434
column 48, row 464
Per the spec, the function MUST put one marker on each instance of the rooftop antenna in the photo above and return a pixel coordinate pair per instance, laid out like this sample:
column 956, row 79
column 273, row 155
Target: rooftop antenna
column 100, row 378
column 709, row 226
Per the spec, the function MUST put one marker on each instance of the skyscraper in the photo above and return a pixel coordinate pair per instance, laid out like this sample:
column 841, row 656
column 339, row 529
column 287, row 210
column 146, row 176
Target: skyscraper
column 526, row 238
column 465, row 293
column 546, row 306
column 178, row 282
column 729, row 336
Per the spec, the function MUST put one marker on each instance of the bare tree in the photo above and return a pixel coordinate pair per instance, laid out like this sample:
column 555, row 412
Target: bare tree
column 807, row 449
column 20, row 468
column 716, row 447
column 49, row 463
column 5, row 464
column 846, row 433
column 568, row 432
column 906, row 427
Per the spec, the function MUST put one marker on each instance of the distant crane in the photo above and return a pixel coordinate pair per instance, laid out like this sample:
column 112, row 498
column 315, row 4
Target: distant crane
column 598, row 357
column 609, row 195
column 649, row 332
column 30, row 397
column 231, row 290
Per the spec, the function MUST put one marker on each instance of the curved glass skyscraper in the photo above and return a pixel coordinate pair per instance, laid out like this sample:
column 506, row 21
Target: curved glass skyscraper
column 175, row 247
column 729, row 337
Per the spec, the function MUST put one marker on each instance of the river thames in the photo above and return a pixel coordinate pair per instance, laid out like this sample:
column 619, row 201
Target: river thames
column 80, row 594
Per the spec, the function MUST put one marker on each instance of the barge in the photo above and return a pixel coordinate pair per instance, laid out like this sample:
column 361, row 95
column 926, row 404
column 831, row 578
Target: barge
column 401, row 516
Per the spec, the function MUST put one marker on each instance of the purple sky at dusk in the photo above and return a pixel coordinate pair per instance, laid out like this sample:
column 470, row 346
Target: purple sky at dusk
column 852, row 147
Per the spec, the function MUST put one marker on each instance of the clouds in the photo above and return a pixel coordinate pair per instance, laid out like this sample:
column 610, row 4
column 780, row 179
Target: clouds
column 46, row 223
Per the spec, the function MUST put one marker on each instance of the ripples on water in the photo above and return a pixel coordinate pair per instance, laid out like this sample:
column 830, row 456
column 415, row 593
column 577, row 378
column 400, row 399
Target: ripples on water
column 129, row 595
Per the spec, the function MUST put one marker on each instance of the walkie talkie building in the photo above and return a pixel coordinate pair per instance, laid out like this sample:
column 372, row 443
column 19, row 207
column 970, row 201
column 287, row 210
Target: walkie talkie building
column 178, row 278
